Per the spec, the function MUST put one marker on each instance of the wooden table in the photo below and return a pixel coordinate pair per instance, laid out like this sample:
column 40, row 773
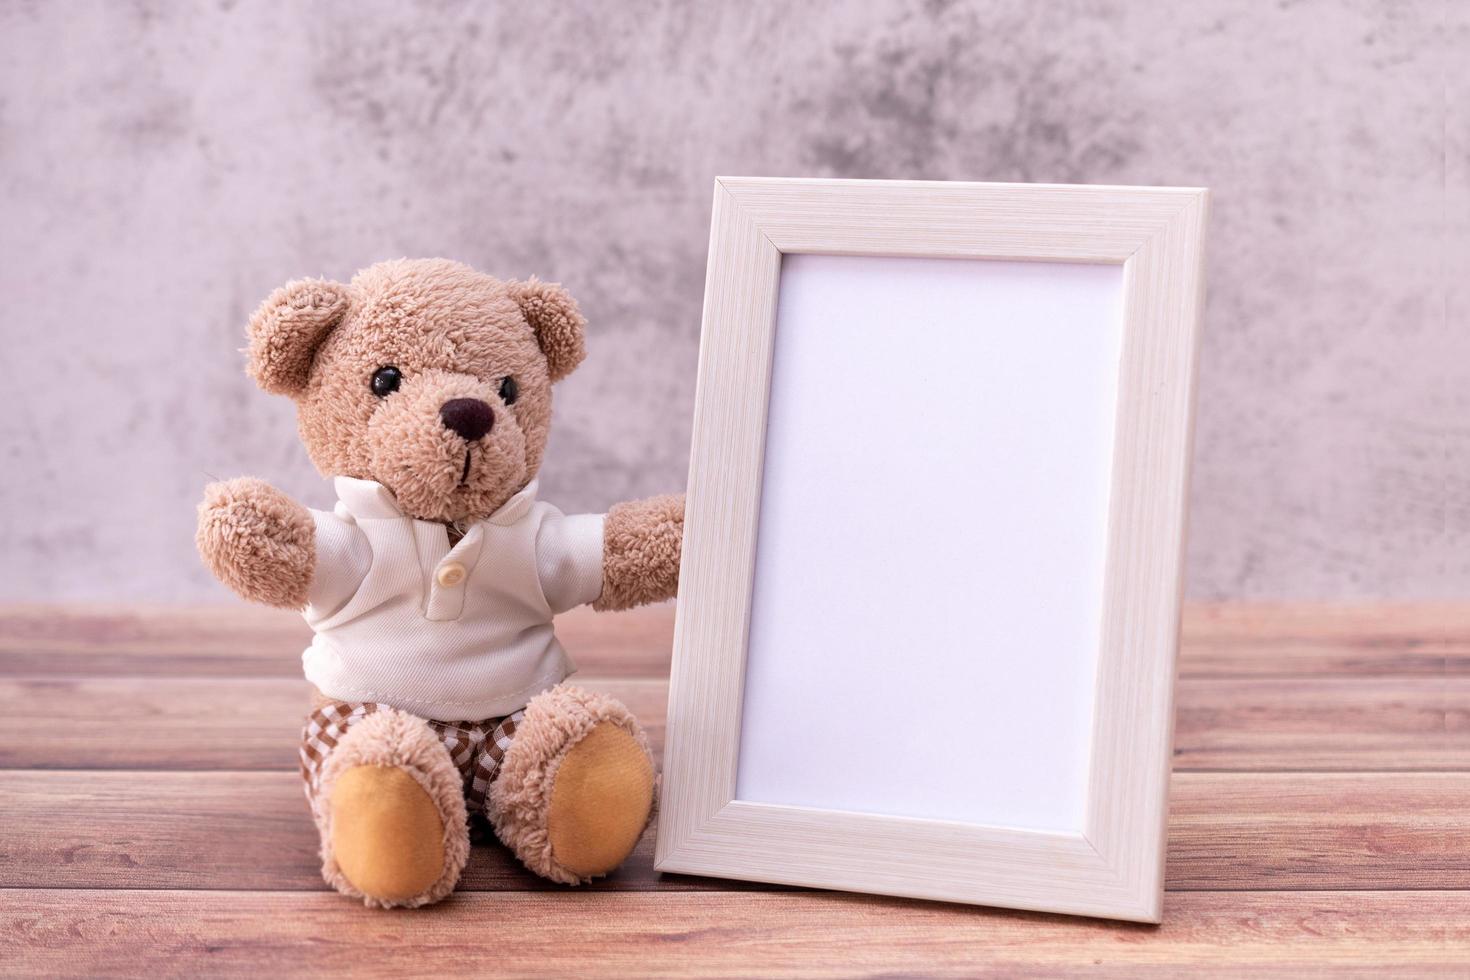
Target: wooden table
column 152, row 822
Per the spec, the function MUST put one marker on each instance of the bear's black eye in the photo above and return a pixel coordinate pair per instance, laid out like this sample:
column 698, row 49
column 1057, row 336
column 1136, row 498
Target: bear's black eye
column 386, row 381
column 508, row 390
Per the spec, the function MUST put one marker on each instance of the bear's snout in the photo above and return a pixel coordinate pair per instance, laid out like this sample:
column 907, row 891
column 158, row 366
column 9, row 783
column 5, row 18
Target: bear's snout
column 468, row 418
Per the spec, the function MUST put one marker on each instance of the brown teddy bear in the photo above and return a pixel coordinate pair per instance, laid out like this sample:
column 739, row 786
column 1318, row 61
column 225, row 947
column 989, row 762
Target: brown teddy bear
column 423, row 388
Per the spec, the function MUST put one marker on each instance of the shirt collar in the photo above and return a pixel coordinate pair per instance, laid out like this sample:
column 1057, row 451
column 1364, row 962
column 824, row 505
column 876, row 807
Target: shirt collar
column 368, row 500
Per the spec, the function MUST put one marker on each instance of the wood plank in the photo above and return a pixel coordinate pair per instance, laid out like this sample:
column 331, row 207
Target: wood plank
column 237, row 830
column 141, row 690
column 1319, row 831
column 1325, row 723
column 245, row 830
column 1411, row 723
column 586, row 932
column 1234, row 639
column 1219, row 639
column 252, row 641
column 197, row 723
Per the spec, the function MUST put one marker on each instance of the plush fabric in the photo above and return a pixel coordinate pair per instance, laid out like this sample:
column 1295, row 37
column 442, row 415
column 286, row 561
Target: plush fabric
column 642, row 545
column 453, row 333
column 559, row 324
column 258, row 541
column 442, row 448
column 522, row 796
column 381, row 820
column 286, row 329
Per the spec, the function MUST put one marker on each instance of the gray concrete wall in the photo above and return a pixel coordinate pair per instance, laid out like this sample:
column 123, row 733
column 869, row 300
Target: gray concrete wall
column 162, row 167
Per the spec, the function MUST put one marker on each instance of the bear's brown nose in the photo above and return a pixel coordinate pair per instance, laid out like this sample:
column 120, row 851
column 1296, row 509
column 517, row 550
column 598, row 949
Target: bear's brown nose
column 470, row 418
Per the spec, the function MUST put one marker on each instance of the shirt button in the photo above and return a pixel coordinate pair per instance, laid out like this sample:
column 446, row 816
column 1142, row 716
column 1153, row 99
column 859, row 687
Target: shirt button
column 451, row 573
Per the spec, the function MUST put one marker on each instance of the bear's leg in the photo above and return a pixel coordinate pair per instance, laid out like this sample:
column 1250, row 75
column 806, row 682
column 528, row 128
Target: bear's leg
column 390, row 809
column 576, row 787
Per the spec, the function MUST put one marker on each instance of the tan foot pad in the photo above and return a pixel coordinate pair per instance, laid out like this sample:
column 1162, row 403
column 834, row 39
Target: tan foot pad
column 387, row 836
column 601, row 801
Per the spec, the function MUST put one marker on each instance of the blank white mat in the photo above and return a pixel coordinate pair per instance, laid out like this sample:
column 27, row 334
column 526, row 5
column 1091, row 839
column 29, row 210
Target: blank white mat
column 927, row 604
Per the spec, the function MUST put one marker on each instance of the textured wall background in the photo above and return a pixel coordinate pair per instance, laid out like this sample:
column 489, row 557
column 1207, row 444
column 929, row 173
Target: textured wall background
column 163, row 167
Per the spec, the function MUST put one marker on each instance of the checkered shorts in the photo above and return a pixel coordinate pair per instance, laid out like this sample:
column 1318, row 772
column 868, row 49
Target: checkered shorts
column 477, row 747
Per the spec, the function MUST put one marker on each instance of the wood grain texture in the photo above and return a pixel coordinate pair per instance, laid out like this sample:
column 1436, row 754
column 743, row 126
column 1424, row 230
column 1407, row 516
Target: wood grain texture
column 215, row 830
column 183, row 933
column 251, row 641
column 1236, row 639
column 150, row 869
column 1319, row 830
column 720, row 527
column 198, row 722
column 1143, row 574
column 1217, row 640
column 1324, row 723
column 1227, row 831
column 1114, row 864
column 957, row 219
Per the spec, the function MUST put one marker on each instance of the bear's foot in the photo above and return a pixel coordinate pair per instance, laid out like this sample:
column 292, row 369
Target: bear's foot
column 391, row 813
column 577, row 786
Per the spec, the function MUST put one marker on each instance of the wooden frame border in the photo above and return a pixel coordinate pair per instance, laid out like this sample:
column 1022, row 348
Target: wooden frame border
column 1115, row 867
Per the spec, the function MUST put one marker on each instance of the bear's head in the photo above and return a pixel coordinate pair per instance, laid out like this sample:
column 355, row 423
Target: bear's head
column 422, row 375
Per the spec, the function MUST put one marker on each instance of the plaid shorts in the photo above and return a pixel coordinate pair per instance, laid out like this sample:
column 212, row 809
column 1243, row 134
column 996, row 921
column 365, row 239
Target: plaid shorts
column 477, row 747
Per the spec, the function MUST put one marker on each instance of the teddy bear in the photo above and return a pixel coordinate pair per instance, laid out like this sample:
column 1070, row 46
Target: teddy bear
column 423, row 391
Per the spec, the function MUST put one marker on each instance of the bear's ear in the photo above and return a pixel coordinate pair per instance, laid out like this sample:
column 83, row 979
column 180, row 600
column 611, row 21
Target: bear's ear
column 559, row 324
column 287, row 329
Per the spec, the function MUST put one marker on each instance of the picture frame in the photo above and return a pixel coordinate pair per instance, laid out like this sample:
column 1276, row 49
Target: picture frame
column 955, row 786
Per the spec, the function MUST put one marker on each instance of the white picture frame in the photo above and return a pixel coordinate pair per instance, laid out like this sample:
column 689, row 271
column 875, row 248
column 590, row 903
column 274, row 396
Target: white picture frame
column 929, row 602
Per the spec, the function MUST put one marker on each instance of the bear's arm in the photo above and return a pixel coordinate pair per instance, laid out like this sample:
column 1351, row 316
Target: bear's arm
column 640, row 557
column 258, row 541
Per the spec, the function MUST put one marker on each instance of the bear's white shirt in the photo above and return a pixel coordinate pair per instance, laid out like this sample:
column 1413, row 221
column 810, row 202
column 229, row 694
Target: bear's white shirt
column 451, row 634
